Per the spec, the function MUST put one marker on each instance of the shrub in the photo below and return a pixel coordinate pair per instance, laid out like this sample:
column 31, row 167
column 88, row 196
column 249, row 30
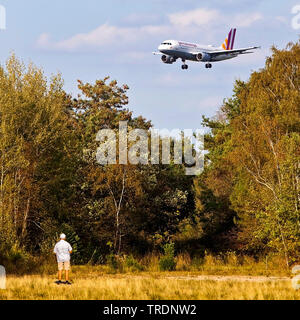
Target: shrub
column 16, row 260
column 232, row 259
column 75, row 242
column 151, row 262
column 167, row 262
column 133, row 264
column 183, row 262
column 112, row 261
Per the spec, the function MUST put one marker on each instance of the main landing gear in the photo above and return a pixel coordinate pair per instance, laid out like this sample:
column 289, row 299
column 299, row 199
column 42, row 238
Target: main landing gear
column 208, row 65
column 184, row 66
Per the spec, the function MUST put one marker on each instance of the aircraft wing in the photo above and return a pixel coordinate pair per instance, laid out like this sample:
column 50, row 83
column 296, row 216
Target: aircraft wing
column 235, row 51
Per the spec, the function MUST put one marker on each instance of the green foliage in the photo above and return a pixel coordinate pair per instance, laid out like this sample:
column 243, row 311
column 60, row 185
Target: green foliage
column 35, row 146
column 78, row 253
column 246, row 200
column 254, row 159
column 16, row 260
column 94, row 255
column 167, row 261
column 112, row 261
column 133, row 264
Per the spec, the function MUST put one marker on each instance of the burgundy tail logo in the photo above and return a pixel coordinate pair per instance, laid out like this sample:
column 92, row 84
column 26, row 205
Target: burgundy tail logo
column 229, row 41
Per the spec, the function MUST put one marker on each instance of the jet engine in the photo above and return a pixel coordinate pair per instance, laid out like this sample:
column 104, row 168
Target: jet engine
column 203, row 56
column 167, row 59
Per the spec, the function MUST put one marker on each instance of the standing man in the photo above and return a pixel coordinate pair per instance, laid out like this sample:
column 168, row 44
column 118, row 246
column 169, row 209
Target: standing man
column 63, row 251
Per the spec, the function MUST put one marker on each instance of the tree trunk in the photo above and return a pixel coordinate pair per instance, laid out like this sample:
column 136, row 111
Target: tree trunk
column 24, row 226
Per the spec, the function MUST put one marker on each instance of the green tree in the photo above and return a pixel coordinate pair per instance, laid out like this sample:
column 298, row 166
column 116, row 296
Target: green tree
column 35, row 146
column 255, row 155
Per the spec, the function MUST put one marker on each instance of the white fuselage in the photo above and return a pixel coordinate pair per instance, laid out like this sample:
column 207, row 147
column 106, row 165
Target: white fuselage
column 188, row 51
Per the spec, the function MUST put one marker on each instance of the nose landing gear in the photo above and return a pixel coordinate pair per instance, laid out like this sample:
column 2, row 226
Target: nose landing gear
column 208, row 65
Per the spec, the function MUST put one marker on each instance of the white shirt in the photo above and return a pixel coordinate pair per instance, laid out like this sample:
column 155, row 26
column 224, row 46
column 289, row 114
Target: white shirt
column 62, row 250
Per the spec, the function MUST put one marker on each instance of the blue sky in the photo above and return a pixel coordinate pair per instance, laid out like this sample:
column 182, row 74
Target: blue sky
column 91, row 39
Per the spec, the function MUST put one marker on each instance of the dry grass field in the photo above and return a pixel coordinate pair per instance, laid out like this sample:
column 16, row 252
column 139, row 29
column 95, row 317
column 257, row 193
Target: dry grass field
column 209, row 279
column 93, row 284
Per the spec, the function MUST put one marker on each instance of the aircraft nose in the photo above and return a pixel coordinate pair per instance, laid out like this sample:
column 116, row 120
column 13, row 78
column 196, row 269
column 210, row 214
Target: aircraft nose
column 160, row 47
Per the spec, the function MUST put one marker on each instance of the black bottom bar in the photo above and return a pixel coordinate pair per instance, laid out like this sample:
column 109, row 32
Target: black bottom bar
column 84, row 310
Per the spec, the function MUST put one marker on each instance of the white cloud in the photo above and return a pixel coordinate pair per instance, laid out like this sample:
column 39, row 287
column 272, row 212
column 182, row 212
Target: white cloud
column 198, row 17
column 246, row 20
column 134, row 57
column 101, row 37
column 181, row 24
column 141, row 18
column 282, row 19
column 206, row 17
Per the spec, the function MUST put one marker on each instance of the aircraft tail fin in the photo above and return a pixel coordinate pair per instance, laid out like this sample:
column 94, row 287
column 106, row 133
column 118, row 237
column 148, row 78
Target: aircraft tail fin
column 229, row 41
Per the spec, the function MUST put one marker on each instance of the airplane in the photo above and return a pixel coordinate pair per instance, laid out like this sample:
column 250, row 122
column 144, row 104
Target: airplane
column 171, row 50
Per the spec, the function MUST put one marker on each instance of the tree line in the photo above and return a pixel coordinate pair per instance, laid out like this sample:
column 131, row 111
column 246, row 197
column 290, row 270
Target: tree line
column 246, row 199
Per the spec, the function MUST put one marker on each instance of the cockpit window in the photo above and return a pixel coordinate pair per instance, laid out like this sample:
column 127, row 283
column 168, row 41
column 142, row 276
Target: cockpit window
column 167, row 43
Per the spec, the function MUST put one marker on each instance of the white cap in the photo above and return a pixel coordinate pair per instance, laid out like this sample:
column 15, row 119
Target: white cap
column 62, row 236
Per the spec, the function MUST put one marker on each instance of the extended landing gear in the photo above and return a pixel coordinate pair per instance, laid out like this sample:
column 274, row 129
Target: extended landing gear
column 208, row 65
column 184, row 66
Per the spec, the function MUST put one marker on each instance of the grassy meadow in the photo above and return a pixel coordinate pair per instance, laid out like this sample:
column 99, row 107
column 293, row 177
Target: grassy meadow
column 145, row 287
column 212, row 279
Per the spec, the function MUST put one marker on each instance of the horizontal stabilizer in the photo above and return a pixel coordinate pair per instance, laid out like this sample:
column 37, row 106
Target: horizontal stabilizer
column 235, row 51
